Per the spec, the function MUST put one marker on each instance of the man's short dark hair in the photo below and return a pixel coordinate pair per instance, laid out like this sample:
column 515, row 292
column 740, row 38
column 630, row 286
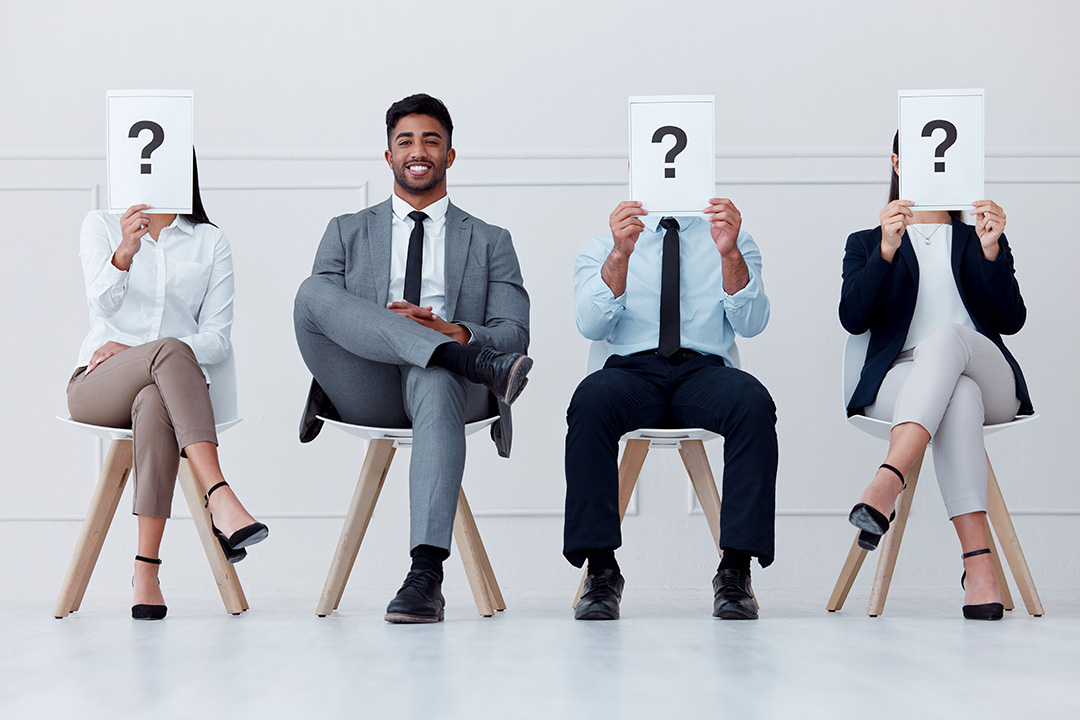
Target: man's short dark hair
column 420, row 104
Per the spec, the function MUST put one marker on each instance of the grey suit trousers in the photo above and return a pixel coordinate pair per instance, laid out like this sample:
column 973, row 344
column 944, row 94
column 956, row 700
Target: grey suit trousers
column 372, row 364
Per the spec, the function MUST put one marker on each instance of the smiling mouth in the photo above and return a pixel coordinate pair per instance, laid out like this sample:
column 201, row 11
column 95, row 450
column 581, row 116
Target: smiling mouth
column 417, row 169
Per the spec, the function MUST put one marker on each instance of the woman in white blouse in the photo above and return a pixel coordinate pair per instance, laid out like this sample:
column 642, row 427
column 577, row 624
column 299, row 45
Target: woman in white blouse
column 160, row 293
column 936, row 295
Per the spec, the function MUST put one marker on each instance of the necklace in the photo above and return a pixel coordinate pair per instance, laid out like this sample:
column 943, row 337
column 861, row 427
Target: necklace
column 926, row 238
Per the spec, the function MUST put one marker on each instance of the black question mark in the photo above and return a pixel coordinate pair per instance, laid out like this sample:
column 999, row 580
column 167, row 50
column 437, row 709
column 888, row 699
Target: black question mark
column 154, row 144
column 678, row 147
column 950, row 138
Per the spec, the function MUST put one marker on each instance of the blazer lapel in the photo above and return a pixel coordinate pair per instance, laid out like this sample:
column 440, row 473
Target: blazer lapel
column 456, row 252
column 962, row 234
column 908, row 254
column 378, row 238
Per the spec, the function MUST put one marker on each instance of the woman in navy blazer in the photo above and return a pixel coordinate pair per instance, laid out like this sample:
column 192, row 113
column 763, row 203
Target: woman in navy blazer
column 936, row 296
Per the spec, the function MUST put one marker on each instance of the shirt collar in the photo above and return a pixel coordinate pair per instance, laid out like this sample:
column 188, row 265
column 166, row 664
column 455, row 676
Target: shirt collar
column 435, row 211
column 652, row 221
column 182, row 223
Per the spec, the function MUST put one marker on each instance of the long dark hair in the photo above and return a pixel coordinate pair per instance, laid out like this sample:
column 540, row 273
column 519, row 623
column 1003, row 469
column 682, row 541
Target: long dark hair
column 894, row 184
column 198, row 212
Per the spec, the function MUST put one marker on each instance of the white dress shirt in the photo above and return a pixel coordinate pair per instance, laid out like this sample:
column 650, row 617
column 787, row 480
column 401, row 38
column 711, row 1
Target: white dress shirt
column 179, row 286
column 433, row 280
column 938, row 300
column 709, row 317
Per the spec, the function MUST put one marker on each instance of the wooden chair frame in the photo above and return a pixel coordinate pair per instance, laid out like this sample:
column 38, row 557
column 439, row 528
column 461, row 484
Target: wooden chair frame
column 114, row 475
column 382, row 444
column 691, row 445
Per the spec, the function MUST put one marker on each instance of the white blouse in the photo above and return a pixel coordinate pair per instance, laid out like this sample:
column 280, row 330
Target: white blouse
column 938, row 300
column 179, row 286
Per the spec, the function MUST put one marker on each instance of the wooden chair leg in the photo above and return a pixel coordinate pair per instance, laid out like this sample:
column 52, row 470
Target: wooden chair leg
column 1010, row 544
column 380, row 454
column 850, row 571
column 106, row 498
column 228, row 584
column 999, row 572
column 890, row 544
column 489, row 573
column 633, row 458
column 701, row 477
column 467, row 537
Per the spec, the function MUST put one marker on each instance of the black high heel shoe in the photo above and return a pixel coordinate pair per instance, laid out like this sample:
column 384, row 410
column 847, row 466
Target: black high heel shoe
column 985, row 611
column 148, row 612
column 871, row 521
column 234, row 544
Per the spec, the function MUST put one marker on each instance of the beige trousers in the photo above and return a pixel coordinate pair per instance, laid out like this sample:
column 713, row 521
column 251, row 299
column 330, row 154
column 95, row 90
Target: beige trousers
column 954, row 382
column 158, row 391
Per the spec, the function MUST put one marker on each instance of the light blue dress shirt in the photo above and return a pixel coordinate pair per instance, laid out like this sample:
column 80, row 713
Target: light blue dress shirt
column 710, row 318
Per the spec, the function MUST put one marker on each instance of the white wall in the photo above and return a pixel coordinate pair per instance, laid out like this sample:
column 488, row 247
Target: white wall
column 290, row 100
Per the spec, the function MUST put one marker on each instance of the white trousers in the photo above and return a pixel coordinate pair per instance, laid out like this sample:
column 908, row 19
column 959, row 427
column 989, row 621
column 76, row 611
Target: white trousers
column 953, row 383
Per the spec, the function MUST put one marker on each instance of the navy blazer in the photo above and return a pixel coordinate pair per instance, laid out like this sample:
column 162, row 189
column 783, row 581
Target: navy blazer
column 879, row 296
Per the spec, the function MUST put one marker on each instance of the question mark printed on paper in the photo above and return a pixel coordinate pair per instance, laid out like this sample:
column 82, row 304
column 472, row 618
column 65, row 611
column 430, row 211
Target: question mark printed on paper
column 950, row 138
column 680, row 144
column 155, row 142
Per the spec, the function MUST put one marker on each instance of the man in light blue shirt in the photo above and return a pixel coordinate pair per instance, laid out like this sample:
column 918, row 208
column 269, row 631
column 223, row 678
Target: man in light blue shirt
column 667, row 296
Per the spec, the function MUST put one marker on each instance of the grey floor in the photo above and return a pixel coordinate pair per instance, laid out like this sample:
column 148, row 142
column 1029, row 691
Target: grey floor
column 667, row 656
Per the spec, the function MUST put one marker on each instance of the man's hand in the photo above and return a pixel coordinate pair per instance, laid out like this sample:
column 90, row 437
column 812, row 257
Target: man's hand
column 725, row 221
column 133, row 225
column 895, row 217
column 625, row 227
column 424, row 316
column 989, row 225
column 103, row 353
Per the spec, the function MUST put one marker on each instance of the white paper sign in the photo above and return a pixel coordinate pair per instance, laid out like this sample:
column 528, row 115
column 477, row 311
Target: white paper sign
column 942, row 148
column 673, row 153
column 149, row 149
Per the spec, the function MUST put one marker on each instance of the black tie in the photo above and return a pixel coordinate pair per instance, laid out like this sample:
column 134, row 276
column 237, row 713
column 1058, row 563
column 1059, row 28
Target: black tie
column 414, row 262
column 670, row 337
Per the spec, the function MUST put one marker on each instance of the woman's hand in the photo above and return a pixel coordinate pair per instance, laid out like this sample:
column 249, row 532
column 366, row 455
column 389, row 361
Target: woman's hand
column 105, row 352
column 989, row 225
column 133, row 225
column 895, row 217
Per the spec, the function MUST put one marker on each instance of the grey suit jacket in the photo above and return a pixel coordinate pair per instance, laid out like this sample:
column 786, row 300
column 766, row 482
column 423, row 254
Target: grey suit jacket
column 484, row 290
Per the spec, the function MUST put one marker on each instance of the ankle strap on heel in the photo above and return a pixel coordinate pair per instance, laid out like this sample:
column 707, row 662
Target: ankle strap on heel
column 973, row 553
column 206, row 497
column 899, row 474
column 152, row 561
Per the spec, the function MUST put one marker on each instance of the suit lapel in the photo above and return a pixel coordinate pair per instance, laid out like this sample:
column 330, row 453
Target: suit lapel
column 456, row 252
column 378, row 238
column 908, row 254
column 962, row 233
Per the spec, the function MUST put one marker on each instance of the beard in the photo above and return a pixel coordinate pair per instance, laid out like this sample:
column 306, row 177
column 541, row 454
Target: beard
column 419, row 185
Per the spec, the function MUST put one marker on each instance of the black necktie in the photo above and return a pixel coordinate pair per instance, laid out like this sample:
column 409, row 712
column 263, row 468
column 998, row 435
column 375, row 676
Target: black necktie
column 670, row 337
column 414, row 261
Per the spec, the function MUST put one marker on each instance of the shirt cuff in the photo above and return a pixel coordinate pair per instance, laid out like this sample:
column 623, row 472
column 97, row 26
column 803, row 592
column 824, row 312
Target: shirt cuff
column 746, row 294
column 472, row 336
column 605, row 300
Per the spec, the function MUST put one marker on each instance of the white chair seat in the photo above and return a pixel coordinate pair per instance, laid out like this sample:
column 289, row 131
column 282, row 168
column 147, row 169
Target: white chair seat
column 402, row 437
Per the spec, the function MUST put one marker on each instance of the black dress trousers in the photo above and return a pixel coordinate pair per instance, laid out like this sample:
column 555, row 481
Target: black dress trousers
column 685, row 390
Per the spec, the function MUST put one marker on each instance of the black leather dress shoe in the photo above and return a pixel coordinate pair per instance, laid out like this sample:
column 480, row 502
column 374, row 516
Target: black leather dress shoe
column 420, row 599
column 601, row 596
column 733, row 598
column 503, row 373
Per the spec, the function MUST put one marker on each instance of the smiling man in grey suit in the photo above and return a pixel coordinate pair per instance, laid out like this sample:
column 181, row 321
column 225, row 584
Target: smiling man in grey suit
column 415, row 314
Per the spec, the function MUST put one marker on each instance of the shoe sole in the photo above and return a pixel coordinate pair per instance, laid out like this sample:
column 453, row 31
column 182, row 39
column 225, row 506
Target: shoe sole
column 861, row 518
column 408, row 619
column 517, row 380
column 735, row 615
column 598, row 615
column 257, row 537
